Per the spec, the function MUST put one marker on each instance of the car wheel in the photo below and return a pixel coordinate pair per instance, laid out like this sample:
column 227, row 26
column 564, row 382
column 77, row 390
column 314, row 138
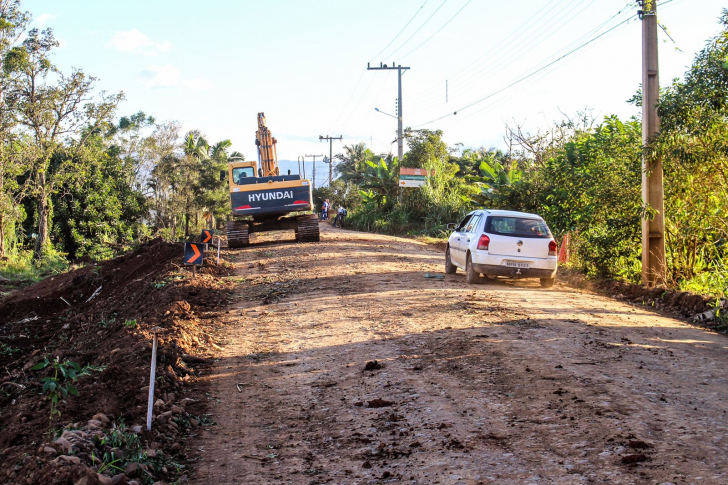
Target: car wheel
column 449, row 267
column 471, row 277
column 547, row 282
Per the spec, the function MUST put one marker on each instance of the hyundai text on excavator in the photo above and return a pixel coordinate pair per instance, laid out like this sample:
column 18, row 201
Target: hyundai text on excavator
column 264, row 200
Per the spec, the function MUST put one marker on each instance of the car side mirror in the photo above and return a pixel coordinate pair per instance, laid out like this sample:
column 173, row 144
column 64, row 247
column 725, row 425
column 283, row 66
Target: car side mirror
column 451, row 226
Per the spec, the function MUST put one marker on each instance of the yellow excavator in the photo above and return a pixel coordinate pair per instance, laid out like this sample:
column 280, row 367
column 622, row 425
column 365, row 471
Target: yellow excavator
column 264, row 200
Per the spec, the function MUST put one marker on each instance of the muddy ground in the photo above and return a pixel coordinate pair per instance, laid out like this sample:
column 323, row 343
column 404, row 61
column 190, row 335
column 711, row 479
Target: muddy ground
column 101, row 317
column 340, row 362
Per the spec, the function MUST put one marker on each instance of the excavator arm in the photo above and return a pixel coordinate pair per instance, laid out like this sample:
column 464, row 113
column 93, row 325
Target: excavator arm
column 267, row 156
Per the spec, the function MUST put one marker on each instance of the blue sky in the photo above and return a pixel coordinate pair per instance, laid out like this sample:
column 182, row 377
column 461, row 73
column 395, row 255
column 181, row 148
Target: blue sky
column 212, row 66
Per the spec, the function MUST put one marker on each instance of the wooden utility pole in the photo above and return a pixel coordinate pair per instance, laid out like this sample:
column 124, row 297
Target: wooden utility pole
column 653, row 223
column 331, row 139
column 400, row 135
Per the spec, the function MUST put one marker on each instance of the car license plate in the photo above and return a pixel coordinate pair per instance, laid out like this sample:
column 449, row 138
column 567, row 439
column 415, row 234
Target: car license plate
column 516, row 264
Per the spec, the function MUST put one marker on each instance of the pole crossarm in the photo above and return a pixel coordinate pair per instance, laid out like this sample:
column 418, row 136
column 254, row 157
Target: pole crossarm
column 331, row 139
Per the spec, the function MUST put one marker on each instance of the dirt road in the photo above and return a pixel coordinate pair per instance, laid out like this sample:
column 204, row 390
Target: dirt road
column 494, row 383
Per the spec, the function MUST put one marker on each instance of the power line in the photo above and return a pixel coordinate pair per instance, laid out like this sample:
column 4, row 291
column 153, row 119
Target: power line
column 490, row 53
column 559, row 21
column 553, row 68
column 353, row 111
column 539, row 15
column 434, row 90
column 377, row 55
column 471, row 79
column 438, row 30
column 420, row 28
column 557, row 53
column 398, row 34
column 535, row 79
column 346, row 105
column 528, row 75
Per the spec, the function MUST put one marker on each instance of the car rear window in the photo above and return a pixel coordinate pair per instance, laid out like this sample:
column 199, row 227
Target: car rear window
column 517, row 227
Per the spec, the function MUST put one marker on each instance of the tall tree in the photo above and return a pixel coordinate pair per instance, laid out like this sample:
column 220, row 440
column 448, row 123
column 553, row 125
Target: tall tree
column 53, row 107
column 693, row 143
column 214, row 196
column 13, row 23
column 424, row 146
column 353, row 162
column 195, row 152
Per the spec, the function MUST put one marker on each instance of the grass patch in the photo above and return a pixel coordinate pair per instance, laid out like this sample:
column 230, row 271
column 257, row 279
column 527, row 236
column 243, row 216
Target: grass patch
column 21, row 267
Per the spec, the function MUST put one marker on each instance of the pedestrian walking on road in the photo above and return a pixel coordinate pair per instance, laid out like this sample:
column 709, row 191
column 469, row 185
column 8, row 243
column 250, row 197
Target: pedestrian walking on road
column 325, row 210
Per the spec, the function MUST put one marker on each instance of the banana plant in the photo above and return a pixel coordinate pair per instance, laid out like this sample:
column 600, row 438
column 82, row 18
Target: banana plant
column 494, row 178
column 381, row 180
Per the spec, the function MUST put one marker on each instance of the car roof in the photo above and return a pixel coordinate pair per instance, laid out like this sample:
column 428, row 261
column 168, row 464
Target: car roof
column 507, row 213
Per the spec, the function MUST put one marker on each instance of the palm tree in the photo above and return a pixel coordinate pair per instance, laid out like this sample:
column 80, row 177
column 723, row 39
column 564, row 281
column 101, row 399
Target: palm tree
column 353, row 162
column 196, row 152
column 213, row 191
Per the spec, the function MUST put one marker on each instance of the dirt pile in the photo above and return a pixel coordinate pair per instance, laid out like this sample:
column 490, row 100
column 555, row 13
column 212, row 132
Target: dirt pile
column 683, row 303
column 102, row 317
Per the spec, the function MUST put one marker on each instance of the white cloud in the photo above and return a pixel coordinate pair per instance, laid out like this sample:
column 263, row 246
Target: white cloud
column 138, row 43
column 168, row 76
column 44, row 18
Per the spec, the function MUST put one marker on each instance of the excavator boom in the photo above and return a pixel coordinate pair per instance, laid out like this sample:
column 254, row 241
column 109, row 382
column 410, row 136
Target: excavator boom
column 267, row 156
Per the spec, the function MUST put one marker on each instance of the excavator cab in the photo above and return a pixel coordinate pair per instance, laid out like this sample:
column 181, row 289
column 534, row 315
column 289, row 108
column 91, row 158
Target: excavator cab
column 242, row 174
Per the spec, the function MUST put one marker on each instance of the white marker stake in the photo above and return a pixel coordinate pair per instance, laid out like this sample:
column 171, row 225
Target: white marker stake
column 218, row 250
column 150, row 405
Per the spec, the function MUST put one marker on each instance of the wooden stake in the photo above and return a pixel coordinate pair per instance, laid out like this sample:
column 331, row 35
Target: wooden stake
column 152, row 377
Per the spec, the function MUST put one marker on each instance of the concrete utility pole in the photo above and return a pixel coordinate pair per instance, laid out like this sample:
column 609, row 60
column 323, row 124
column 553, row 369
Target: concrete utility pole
column 314, row 168
column 400, row 135
column 653, row 226
column 331, row 139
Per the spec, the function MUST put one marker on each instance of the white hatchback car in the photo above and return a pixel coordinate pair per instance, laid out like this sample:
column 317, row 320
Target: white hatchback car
column 502, row 243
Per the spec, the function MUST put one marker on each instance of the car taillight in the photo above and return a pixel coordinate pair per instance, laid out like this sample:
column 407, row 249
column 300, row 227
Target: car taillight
column 552, row 248
column 483, row 242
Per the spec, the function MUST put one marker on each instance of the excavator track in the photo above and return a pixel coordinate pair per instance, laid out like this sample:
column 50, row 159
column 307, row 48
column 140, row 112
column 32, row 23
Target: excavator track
column 238, row 234
column 307, row 229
